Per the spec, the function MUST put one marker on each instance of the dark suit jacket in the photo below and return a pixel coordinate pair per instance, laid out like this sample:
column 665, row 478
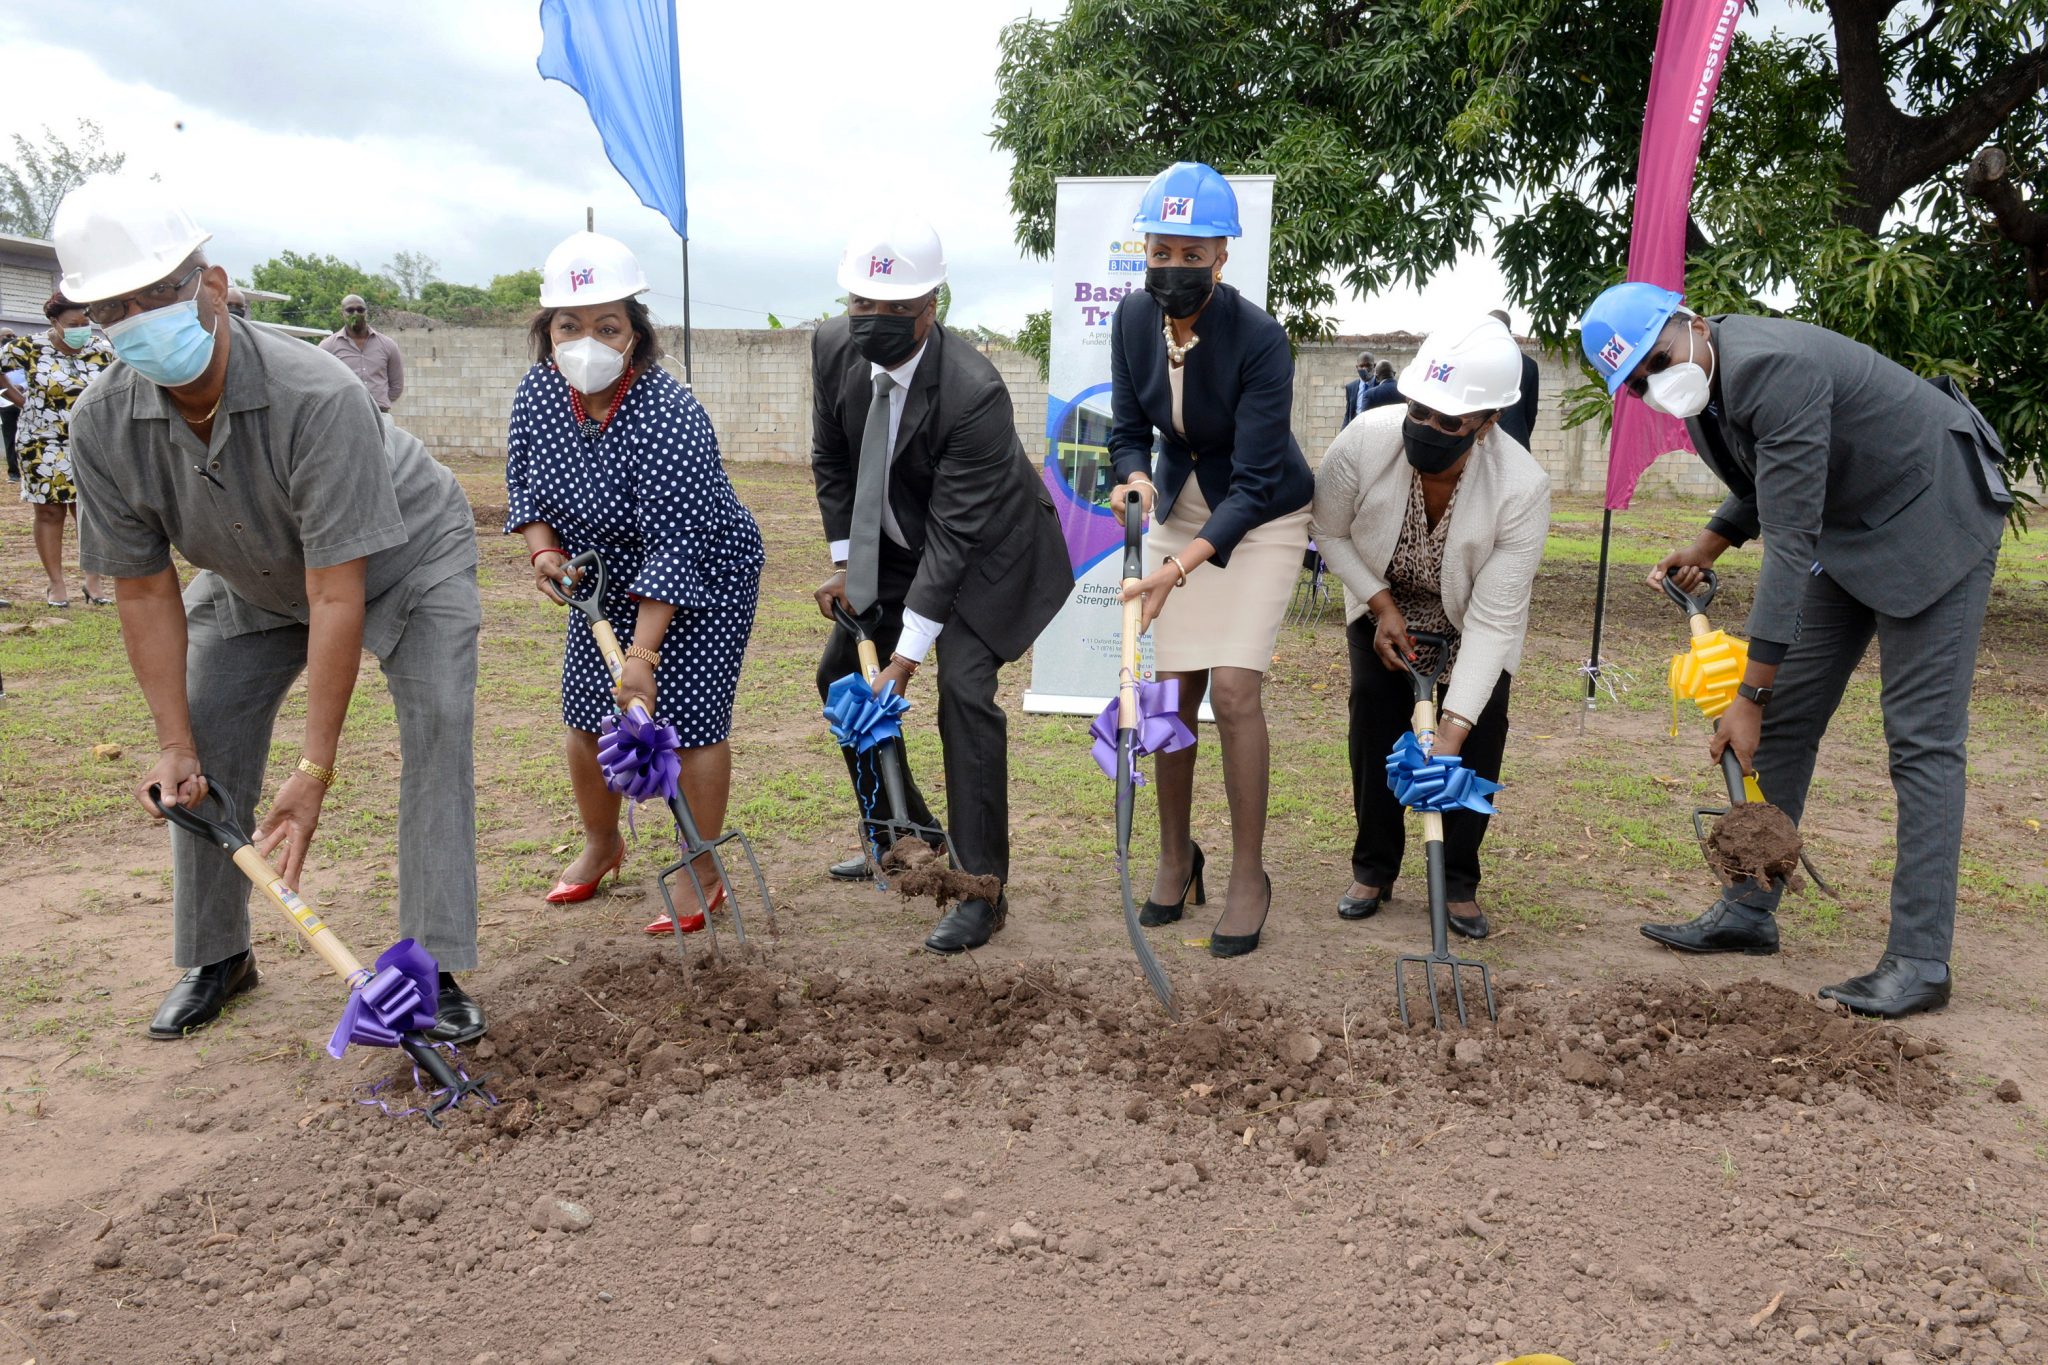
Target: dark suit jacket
column 1837, row 456
column 1237, row 398
column 1519, row 420
column 974, row 509
column 1354, row 398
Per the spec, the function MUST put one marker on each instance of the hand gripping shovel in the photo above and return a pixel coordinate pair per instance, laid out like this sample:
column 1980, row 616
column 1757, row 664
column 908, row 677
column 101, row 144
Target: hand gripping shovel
column 1129, row 717
column 1709, row 673
column 638, row 759
column 877, row 729
column 1433, row 785
column 389, row 1006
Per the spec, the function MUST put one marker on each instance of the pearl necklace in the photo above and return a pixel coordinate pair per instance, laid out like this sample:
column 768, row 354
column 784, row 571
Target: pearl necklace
column 1175, row 352
column 592, row 427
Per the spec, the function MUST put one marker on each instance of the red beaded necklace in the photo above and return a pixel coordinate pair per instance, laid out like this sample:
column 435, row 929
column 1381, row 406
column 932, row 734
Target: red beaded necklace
column 593, row 427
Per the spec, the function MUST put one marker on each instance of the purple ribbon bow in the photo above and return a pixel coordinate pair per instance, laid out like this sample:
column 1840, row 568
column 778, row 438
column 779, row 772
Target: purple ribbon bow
column 400, row 997
column 1160, row 728
column 638, row 758
column 861, row 717
column 1425, row 781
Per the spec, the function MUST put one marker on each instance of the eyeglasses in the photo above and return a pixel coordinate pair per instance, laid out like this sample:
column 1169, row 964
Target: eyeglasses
column 1656, row 362
column 1450, row 426
column 163, row 294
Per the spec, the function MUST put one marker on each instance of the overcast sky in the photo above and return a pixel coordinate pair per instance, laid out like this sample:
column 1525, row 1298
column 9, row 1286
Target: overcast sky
column 377, row 126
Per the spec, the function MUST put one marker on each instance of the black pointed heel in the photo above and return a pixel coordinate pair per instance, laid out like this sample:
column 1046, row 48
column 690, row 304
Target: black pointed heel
column 1155, row 913
column 1237, row 945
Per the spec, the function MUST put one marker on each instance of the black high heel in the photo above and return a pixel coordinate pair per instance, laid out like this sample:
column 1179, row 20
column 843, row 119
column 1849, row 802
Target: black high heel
column 1237, row 945
column 1155, row 914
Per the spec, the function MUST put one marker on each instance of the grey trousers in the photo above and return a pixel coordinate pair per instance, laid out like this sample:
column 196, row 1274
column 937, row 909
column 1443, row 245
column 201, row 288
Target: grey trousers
column 235, row 686
column 1926, row 665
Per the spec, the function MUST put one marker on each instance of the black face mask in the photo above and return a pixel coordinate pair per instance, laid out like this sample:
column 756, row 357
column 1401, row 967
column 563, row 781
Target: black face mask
column 1432, row 451
column 1180, row 290
column 884, row 338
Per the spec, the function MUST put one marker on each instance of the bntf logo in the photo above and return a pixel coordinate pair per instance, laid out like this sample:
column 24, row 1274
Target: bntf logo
column 1177, row 208
column 881, row 265
column 579, row 278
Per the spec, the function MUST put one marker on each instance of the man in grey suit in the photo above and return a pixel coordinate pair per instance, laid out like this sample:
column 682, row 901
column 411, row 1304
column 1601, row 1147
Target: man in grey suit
column 942, row 525
column 1879, row 500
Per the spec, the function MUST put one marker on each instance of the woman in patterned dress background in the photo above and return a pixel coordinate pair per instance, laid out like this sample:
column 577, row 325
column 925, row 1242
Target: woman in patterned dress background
column 57, row 364
column 608, row 452
column 1434, row 518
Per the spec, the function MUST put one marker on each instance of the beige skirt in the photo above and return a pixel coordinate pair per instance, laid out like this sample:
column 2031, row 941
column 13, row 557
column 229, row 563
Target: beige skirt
column 1224, row 617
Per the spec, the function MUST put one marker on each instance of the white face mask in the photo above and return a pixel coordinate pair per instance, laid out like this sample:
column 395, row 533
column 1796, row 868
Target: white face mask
column 1679, row 390
column 589, row 365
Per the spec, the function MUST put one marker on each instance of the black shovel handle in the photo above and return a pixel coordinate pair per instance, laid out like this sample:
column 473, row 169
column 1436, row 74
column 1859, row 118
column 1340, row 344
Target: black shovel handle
column 1425, row 684
column 1134, row 555
column 226, row 831
column 588, row 594
column 1692, row 603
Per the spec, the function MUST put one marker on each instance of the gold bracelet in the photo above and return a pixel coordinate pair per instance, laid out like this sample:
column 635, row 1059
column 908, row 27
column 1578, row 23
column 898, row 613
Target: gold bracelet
column 1180, row 569
column 1453, row 718
column 646, row 656
column 324, row 776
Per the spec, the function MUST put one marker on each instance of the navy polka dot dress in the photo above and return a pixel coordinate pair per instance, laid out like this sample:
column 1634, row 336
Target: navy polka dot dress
column 650, row 495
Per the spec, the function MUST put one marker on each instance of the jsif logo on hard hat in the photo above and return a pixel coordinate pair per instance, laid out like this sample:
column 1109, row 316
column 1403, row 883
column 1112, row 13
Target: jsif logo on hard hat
column 881, row 265
column 579, row 278
column 1177, row 209
column 1614, row 352
column 1439, row 373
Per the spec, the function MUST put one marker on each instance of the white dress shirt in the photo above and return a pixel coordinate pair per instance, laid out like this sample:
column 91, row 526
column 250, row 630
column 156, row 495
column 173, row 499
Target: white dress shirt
column 919, row 632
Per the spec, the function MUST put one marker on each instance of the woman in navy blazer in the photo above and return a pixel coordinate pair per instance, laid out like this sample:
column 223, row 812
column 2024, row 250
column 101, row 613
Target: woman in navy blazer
column 1193, row 359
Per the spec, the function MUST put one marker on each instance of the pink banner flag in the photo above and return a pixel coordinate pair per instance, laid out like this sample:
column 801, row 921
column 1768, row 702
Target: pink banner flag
column 1693, row 37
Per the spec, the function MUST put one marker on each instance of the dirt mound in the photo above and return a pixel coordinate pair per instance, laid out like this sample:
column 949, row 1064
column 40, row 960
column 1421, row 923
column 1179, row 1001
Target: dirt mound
column 1756, row 841
column 638, row 1031
column 916, row 870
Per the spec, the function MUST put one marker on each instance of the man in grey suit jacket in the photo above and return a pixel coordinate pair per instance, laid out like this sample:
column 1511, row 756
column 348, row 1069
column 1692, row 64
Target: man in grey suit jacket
column 1878, row 497
column 960, row 547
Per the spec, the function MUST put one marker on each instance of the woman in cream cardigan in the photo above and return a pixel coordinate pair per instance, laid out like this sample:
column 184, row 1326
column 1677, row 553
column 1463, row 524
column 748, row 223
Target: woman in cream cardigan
column 1434, row 519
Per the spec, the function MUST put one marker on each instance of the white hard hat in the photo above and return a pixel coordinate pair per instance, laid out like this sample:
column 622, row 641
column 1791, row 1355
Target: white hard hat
column 1469, row 366
column 590, row 267
column 897, row 259
column 117, row 233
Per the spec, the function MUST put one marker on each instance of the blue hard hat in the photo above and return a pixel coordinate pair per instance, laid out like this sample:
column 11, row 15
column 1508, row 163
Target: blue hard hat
column 1188, row 199
column 1621, row 326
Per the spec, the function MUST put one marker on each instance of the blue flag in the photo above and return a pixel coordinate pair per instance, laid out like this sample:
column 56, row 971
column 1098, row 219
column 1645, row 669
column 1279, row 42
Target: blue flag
column 622, row 57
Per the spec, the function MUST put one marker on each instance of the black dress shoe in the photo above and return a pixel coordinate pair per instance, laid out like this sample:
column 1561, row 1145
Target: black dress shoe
column 852, row 870
column 1363, row 907
column 1156, row 913
column 1721, row 929
column 1899, row 987
column 196, row 1000
column 457, row 1016
column 1474, row 926
column 968, row 924
column 1237, row 945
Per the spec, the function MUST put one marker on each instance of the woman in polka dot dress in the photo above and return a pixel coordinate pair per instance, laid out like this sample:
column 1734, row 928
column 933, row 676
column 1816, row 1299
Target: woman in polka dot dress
column 608, row 452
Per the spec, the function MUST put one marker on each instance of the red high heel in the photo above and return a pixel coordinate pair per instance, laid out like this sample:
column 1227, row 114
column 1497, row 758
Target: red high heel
column 568, row 892
column 692, row 923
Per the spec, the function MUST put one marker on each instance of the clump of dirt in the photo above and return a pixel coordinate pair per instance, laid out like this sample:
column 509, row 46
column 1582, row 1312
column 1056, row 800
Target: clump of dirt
column 1755, row 841
column 489, row 515
column 916, row 869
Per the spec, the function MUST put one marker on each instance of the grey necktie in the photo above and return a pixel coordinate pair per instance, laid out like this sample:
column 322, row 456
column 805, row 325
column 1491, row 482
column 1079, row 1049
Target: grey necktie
column 870, row 496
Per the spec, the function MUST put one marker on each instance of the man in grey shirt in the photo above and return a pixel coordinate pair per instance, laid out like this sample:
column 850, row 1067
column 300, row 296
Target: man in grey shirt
column 321, row 530
column 373, row 356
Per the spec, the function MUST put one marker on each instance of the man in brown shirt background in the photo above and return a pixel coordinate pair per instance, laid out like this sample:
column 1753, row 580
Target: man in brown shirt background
column 373, row 356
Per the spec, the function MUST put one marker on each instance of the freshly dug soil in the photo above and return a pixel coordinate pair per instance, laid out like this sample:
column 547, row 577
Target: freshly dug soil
column 1757, row 841
column 917, row 869
column 756, row 1159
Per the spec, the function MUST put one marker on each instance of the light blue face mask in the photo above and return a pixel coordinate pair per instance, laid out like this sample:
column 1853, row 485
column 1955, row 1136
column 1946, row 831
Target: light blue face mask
column 78, row 338
column 166, row 346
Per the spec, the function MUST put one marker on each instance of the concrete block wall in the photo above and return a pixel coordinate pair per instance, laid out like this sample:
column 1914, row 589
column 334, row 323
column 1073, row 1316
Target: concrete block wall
column 756, row 385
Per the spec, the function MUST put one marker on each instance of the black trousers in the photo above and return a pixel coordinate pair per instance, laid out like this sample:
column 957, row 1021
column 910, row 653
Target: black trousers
column 10, row 417
column 1381, row 703
column 974, row 730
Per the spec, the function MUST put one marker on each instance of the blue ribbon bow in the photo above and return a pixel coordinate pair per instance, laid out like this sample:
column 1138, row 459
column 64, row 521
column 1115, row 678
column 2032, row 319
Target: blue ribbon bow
column 400, row 997
column 1424, row 781
column 1160, row 728
column 861, row 717
column 638, row 757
